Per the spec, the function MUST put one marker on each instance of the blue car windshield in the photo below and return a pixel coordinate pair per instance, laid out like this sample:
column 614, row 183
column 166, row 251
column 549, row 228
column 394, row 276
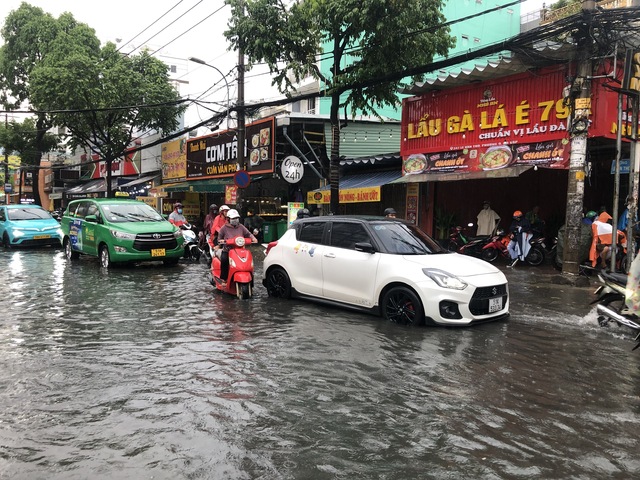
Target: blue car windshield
column 404, row 239
column 28, row 214
column 130, row 212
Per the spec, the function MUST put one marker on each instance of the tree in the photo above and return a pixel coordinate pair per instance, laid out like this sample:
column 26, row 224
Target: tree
column 27, row 32
column 104, row 99
column 29, row 144
column 367, row 39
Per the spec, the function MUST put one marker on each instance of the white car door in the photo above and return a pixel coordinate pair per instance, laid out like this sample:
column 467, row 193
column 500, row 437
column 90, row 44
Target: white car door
column 348, row 275
column 303, row 258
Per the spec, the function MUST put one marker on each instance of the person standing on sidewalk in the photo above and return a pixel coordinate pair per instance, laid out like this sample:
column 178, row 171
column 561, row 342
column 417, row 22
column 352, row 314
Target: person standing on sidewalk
column 487, row 220
column 520, row 235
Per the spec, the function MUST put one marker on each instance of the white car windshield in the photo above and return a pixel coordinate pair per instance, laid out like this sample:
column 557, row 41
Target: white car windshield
column 403, row 239
column 131, row 212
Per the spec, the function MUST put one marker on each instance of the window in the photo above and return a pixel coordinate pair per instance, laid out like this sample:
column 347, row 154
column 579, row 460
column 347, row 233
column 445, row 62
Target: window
column 2, row 216
column 311, row 232
column 83, row 207
column 346, row 235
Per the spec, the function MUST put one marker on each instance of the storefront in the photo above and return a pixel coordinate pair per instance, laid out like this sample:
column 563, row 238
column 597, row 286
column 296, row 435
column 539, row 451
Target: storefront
column 504, row 140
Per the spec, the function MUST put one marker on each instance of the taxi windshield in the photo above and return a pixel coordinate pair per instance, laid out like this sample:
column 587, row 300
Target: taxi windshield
column 130, row 212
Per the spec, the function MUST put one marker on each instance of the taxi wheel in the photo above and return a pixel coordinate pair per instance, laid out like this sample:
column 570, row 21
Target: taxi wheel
column 68, row 251
column 105, row 259
column 401, row 305
column 5, row 241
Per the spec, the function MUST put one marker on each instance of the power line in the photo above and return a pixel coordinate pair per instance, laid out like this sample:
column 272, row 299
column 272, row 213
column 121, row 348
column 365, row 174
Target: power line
column 151, row 25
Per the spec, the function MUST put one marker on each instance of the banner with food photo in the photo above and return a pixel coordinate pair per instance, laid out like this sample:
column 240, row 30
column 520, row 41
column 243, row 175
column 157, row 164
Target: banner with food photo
column 216, row 155
column 551, row 154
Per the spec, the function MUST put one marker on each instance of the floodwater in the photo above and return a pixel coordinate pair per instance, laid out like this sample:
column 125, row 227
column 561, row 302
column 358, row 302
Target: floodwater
column 145, row 372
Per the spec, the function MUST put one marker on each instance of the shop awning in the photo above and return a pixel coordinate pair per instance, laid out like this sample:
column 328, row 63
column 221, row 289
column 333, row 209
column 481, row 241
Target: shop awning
column 358, row 188
column 215, row 185
column 93, row 186
column 448, row 177
column 139, row 180
column 364, row 180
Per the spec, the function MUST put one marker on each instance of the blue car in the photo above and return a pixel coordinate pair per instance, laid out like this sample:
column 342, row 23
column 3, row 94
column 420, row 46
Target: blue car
column 28, row 226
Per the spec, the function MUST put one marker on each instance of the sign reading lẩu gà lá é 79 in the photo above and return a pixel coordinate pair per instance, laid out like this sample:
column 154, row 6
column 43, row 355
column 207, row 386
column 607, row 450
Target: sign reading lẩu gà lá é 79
column 516, row 120
column 216, row 155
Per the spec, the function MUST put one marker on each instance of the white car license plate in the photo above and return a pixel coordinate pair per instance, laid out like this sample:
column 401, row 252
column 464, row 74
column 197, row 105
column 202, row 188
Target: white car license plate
column 495, row 304
column 158, row 252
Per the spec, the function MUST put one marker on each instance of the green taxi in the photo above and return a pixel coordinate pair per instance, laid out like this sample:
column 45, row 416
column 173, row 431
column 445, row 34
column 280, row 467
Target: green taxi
column 119, row 231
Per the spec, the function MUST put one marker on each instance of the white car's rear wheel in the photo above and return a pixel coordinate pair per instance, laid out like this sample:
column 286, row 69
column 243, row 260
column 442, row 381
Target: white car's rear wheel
column 278, row 283
column 401, row 305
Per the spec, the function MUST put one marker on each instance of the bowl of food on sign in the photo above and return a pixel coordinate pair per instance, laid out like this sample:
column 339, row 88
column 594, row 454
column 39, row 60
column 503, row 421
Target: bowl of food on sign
column 265, row 136
column 255, row 140
column 496, row 157
column 264, row 154
column 254, row 156
column 415, row 163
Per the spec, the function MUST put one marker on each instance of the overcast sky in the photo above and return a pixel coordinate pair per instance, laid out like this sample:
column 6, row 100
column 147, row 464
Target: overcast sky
column 193, row 28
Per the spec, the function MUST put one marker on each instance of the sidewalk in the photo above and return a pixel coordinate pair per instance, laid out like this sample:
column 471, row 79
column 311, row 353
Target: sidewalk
column 543, row 288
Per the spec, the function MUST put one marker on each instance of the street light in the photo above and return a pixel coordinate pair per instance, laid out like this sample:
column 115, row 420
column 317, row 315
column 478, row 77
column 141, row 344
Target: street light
column 202, row 62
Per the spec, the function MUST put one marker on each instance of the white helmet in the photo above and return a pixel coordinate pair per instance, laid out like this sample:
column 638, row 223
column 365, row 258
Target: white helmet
column 233, row 213
column 223, row 208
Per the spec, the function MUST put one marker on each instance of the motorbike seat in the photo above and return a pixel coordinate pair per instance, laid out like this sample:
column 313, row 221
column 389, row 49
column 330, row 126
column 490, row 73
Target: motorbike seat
column 619, row 278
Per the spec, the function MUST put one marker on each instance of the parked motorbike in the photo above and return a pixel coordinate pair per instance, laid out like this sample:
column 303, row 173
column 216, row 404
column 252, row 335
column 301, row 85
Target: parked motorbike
column 497, row 247
column 239, row 281
column 611, row 303
column 458, row 237
column 191, row 249
column 464, row 244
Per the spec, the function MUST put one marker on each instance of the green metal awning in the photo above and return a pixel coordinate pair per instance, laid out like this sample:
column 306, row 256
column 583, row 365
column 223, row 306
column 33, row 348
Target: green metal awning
column 215, row 185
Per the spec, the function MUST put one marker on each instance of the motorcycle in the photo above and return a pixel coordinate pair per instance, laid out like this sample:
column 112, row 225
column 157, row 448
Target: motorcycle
column 497, row 246
column 191, row 249
column 611, row 303
column 465, row 245
column 239, row 281
column 457, row 238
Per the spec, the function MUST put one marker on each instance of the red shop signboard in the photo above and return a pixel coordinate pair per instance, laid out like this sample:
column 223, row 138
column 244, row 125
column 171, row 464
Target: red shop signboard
column 516, row 120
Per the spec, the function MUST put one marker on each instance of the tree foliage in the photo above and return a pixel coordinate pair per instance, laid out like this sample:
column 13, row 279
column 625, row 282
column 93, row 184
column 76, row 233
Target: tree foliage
column 366, row 39
column 103, row 98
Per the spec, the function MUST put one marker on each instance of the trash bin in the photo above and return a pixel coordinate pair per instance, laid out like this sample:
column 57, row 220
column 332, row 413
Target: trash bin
column 281, row 227
column 269, row 232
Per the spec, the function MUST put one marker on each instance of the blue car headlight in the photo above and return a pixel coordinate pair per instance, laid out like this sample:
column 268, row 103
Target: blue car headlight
column 444, row 279
column 123, row 235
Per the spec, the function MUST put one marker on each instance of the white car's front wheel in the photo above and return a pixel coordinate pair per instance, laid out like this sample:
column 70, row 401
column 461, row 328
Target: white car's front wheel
column 401, row 305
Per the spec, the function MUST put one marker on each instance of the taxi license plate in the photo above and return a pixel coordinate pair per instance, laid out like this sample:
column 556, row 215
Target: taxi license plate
column 157, row 252
column 40, row 237
column 495, row 304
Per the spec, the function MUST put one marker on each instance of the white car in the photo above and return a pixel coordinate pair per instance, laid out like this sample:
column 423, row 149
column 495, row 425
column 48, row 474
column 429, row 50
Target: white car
column 383, row 266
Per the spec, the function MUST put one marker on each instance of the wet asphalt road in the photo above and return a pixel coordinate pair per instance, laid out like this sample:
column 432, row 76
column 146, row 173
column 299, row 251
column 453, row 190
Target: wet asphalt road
column 146, row 372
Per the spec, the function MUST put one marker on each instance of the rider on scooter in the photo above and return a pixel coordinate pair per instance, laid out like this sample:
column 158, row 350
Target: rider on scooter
column 176, row 217
column 230, row 230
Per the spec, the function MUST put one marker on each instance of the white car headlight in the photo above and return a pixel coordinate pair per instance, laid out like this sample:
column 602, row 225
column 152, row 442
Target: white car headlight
column 444, row 279
column 17, row 233
column 177, row 233
column 123, row 235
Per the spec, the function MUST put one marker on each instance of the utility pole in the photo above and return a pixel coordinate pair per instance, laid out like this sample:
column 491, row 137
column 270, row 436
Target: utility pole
column 6, row 161
column 578, row 130
column 242, row 163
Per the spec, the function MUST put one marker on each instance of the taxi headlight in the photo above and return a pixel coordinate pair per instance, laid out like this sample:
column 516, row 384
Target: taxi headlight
column 123, row 235
column 17, row 233
column 444, row 279
column 177, row 233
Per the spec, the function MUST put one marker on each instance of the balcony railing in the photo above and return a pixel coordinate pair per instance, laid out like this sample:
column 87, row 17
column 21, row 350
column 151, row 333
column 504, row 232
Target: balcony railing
column 548, row 16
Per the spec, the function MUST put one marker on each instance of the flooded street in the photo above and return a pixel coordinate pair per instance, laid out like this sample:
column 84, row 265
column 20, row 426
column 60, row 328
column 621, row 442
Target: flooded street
column 145, row 372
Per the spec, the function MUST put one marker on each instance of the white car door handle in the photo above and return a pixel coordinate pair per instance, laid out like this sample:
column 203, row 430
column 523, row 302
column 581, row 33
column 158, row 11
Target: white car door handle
column 329, row 255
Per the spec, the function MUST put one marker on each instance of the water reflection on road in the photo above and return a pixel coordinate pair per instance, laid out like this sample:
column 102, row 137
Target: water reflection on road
column 145, row 372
